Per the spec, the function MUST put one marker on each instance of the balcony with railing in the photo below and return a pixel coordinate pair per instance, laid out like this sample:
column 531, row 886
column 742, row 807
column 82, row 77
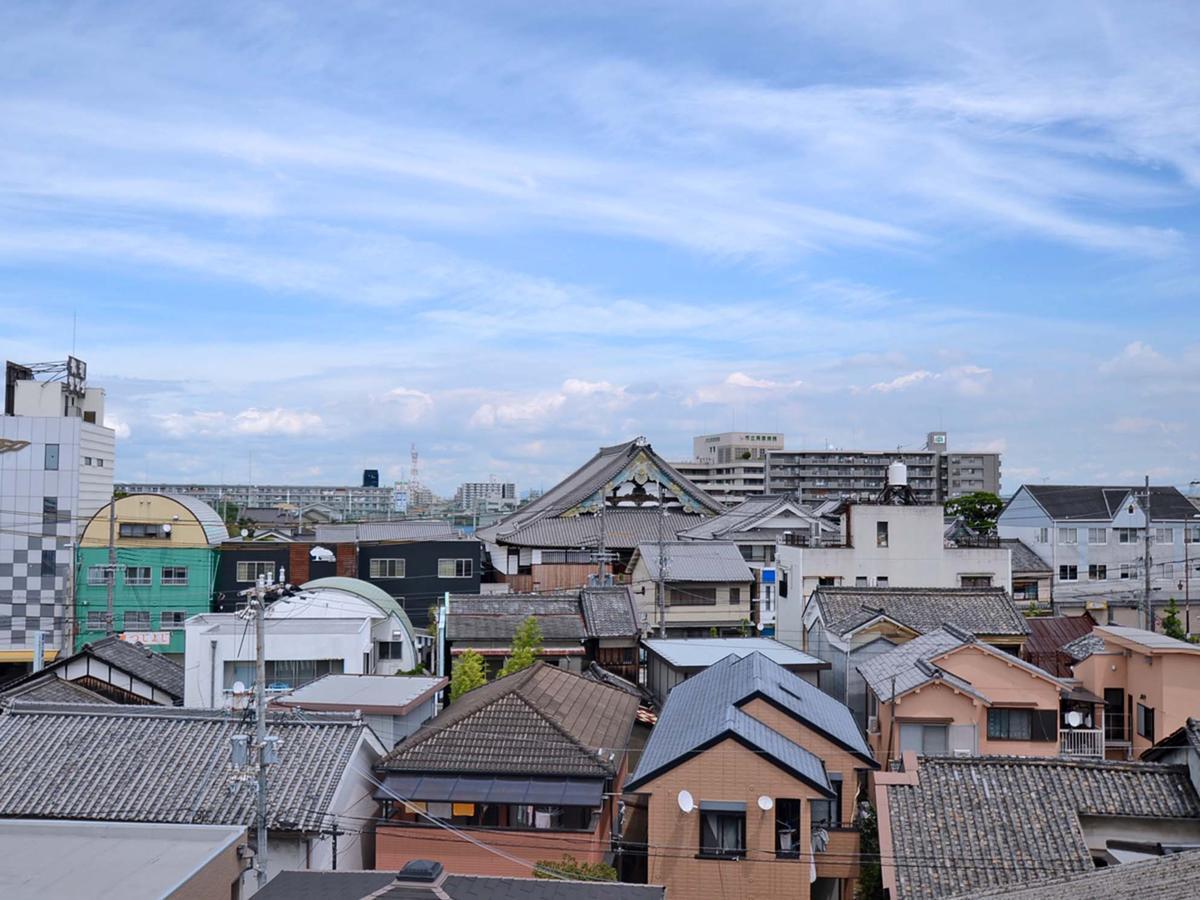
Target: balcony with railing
column 1081, row 743
column 806, row 539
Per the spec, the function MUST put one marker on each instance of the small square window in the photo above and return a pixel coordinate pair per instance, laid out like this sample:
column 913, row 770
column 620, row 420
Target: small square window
column 1097, row 572
column 97, row 621
column 172, row 620
column 137, row 576
column 137, row 620
column 52, row 457
column 1068, row 573
column 97, row 576
column 176, row 576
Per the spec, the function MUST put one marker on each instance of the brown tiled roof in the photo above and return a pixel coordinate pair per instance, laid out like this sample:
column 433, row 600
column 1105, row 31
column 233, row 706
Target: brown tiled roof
column 541, row 721
column 992, row 822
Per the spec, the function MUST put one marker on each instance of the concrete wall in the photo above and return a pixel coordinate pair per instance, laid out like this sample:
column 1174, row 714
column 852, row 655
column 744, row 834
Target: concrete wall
column 218, row 878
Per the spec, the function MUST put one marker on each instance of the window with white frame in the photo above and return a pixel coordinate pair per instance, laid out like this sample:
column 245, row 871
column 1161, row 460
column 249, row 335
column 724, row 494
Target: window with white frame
column 1068, row 573
column 97, row 620
column 1097, row 572
column 176, row 576
column 172, row 619
column 137, row 620
column 1042, row 535
column 1192, row 534
column 455, row 568
column 249, row 570
column 137, row 576
column 1164, row 535
column 1128, row 535
column 387, row 568
column 97, row 576
column 1068, row 535
column 1097, row 535
column 1127, row 570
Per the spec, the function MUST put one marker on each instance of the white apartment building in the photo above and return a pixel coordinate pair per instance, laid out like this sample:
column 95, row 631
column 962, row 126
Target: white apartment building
column 56, row 472
column 486, row 495
column 881, row 546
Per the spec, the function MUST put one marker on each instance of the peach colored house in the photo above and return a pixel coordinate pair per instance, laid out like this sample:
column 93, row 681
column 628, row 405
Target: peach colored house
column 946, row 693
column 530, row 765
column 1150, row 684
column 750, row 784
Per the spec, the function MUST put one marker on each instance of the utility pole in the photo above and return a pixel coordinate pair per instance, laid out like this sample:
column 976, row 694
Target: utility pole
column 600, row 557
column 68, row 644
column 260, row 724
column 111, row 570
column 1149, row 606
column 662, row 573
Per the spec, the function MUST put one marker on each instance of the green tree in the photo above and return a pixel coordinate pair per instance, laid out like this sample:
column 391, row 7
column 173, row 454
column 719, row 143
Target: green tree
column 467, row 674
column 571, row 867
column 978, row 510
column 1171, row 625
column 870, row 878
column 526, row 647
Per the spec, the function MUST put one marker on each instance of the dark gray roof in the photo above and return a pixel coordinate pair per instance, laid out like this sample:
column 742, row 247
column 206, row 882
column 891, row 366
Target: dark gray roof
column 152, row 668
column 497, row 617
column 1172, row 877
column 540, row 721
column 984, row 611
column 1186, row 735
column 912, row 664
column 52, row 689
column 1024, row 560
column 610, row 612
column 712, row 561
column 750, row 515
column 1083, row 647
column 163, row 764
column 1094, row 502
column 624, row 529
column 1020, row 813
column 410, row 530
column 705, row 708
column 358, row 885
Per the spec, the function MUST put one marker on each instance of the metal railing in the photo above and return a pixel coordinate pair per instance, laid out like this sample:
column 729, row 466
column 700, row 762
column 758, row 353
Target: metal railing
column 804, row 539
column 1081, row 742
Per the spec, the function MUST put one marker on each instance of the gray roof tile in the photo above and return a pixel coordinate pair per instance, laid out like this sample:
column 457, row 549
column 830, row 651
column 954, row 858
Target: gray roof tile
column 411, row 530
column 1020, row 812
column 624, row 529
column 52, row 689
column 152, row 668
column 705, row 707
column 1173, row 877
column 610, row 612
column 1096, row 502
column 359, row 885
column 1024, row 560
column 497, row 617
column 982, row 611
column 163, row 764
column 714, row 561
column 541, row 721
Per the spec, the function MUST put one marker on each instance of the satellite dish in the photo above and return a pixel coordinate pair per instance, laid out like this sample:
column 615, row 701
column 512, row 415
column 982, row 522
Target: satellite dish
column 685, row 801
column 239, row 687
column 1074, row 718
column 166, row 528
column 244, row 532
column 765, row 803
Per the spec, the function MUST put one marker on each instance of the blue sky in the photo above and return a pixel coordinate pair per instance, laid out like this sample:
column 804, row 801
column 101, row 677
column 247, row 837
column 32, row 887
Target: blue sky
column 511, row 232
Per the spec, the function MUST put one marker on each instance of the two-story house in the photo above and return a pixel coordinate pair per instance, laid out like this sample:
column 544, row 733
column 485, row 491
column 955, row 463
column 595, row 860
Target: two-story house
column 753, row 777
column 1093, row 538
column 707, row 587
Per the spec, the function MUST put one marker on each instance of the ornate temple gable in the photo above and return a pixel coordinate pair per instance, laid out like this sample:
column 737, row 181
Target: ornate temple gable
column 641, row 483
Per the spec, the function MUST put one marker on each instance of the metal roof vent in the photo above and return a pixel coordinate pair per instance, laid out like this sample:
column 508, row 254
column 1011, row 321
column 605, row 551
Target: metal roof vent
column 421, row 871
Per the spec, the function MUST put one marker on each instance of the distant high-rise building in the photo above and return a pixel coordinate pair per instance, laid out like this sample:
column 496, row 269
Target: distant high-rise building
column 731, row 465
column 344, row 502
column 486, row 495
column 56, row 472
column 370, row 478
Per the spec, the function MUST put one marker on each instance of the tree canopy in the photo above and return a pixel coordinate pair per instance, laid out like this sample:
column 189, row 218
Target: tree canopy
column 467, row 674
column 978, row 510
column 526, row 647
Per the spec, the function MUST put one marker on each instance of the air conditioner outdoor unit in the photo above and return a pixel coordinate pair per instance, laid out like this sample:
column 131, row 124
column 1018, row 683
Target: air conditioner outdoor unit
column 872, row 724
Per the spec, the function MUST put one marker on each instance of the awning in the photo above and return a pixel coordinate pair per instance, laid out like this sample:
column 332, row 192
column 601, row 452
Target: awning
column 1083, row 695
column 722, row 806
column 484, row 789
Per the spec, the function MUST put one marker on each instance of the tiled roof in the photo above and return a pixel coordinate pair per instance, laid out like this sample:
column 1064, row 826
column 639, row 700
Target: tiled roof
column 541, row 721
column 1021, row 813
column 751, row 514
column 1094, row 502
column 714, row 561
column 310, row 885
column 624, row 529
column 152, row 668
column 706, row 706
column 608, row 463
column 1173, row 877
column 52, row 689
column 983, row 611
column 1024, row 560
column 413, row 530
column 162, row 764
column 497, row 617
column 687, row 653
column 1083, row 647
column 609, row 612
column 1187, row 735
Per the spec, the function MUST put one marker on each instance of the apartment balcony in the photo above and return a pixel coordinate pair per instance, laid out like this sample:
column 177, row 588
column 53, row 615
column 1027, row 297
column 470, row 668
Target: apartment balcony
column 1081, row 743
column 804, row 539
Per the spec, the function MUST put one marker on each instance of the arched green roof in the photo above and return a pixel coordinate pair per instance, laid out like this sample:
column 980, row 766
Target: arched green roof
column 372, row 593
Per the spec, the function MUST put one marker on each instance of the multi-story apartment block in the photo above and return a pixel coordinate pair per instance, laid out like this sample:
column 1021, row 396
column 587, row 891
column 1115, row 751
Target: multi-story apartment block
column 731, row 482
column 729, row 446
column 56, row 470
column 485, row 495
column 934, row 473
column 348, row 502
column 1093, row 539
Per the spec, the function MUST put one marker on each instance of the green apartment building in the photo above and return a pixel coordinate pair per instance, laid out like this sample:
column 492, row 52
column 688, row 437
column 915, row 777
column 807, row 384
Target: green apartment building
column 166, row 560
